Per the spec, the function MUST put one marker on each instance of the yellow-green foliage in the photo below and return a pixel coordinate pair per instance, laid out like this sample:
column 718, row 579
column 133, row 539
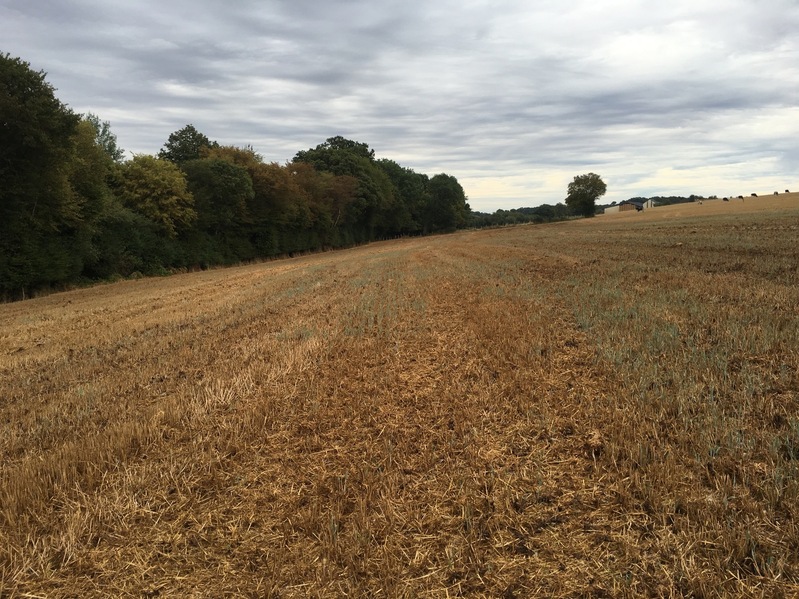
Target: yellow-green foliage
column 157, row 189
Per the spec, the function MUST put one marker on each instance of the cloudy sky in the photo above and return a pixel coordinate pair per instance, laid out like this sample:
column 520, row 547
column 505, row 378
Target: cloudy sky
column 512, row 97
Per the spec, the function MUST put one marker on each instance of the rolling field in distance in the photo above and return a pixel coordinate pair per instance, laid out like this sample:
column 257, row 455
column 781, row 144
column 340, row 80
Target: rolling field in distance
column 598, row 408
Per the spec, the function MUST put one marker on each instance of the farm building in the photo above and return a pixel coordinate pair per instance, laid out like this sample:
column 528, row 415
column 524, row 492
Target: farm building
column 628, row 205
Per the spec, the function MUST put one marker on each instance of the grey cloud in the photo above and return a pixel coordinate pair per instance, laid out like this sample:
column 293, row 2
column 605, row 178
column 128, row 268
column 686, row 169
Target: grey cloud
column 496, row 93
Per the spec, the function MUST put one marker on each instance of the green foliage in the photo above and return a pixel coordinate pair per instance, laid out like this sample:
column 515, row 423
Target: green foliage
column 344, row 157
column 322, row 199
column 583, row 193
column 539, row 214
column 88, row 175
column 157, row 189
column 222, row 191
column 246, row 157
column 447, row 209
column 104, row 138
column 411, row 189
column 71, row 206
column 39, row 213
column 127, row 242
column 337, row 144
column 185, row 144
column 90, row 171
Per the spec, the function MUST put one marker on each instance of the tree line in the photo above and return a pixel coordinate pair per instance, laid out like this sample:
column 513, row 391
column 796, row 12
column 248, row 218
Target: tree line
column 544, row 213
column 74, row 210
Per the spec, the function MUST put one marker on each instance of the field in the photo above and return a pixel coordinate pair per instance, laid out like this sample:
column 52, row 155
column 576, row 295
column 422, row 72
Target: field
column 597, row 408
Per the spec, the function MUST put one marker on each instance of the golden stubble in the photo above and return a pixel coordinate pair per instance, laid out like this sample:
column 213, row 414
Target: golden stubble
column 594, row 408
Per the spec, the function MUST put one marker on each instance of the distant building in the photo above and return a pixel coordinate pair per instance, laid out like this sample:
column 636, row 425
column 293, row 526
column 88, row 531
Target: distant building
column 629, row 205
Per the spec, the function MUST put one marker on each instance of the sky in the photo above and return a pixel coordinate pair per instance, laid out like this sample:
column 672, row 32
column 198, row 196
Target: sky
column 514, row 98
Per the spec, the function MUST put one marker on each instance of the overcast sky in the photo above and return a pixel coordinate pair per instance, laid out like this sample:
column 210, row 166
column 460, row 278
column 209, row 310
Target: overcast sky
column 512, row 97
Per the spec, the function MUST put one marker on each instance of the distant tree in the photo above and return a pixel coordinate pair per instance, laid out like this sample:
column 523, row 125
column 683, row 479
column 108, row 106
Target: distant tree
column 246, row 157
column 157, row 189
column 411, row 190
column 185, row 144
column 321, row 203
column 89, row 175
column 342, row 144
column 447, row 208
column 278, row 209
column 339, row 156
column 339, row 190
column 105, row 138
column 583, row 193
column 89, row 171
column 343, row 157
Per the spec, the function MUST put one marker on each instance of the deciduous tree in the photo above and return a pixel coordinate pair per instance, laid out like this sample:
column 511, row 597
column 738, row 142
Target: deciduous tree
column 373, row 196
column 411, row 190
column 105, row 138
column 447, row 208
column 185, row 144
column 38, row 210
column 157, row 189
column 221, row 191
column 583, row 193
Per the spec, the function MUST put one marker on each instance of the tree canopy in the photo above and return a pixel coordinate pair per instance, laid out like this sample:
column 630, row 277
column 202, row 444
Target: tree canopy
column 39, row 212
column 583, row 193
column 448, row 207
column 157, row 190
column 73, row 208
column 185, row 144
column 374, row 193
column 105, row 138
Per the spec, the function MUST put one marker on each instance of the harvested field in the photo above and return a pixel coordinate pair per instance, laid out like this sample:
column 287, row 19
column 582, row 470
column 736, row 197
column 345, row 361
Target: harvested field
column 598, row 408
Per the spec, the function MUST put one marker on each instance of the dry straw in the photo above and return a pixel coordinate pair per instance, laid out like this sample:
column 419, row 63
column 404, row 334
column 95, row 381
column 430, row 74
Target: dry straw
column 604, row 408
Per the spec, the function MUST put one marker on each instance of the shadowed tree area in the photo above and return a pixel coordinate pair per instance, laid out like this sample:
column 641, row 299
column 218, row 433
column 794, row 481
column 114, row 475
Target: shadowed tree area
column 447, row 208
column 41, row 218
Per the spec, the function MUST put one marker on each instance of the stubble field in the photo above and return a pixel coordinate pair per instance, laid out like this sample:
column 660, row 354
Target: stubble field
column 598, row 408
